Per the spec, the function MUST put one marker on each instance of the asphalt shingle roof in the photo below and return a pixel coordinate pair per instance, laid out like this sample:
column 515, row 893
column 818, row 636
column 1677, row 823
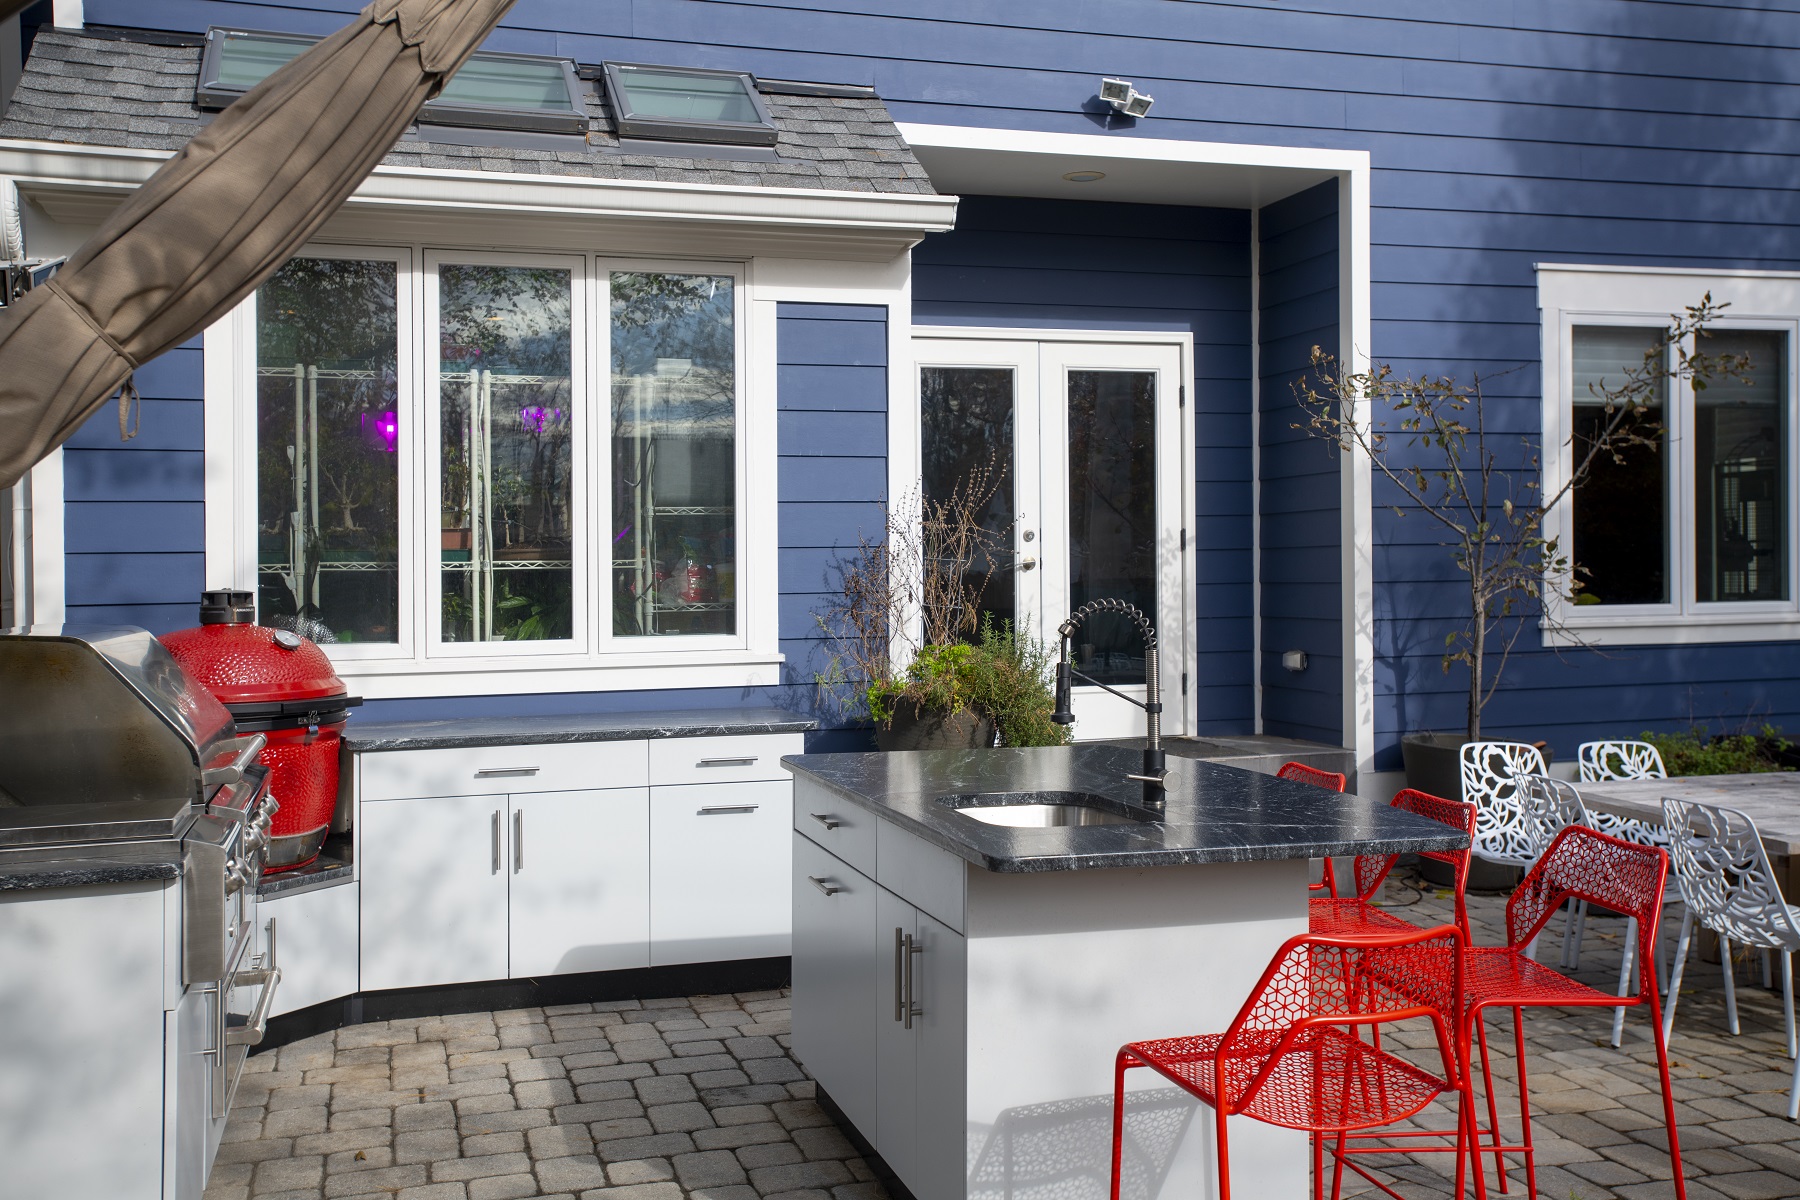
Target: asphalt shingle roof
column 109, row 92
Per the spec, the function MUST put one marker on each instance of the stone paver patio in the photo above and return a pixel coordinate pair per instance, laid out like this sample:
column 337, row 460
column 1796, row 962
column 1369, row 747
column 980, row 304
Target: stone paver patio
column 697, row 1097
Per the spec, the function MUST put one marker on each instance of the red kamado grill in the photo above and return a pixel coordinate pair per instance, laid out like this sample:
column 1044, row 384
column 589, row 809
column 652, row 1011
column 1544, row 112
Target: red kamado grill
column 276, row 682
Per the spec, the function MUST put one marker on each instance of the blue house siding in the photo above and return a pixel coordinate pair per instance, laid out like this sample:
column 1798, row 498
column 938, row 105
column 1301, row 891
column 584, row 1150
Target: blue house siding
column 134, row 511
column 1301, row 517
column 1500, row 135
column 1019, row 263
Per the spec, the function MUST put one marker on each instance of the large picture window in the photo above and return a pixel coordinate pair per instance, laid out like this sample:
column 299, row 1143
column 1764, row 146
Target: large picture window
column 489, row 460
column 1690, row 535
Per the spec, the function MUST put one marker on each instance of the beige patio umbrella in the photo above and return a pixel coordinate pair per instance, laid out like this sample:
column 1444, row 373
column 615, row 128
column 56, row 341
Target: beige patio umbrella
column 222, row 216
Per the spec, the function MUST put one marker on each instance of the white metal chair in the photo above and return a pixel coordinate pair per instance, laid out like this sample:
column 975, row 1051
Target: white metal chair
column 1602, row 762
column 1729, row 886
column 1550, row 806
column 1490, row 781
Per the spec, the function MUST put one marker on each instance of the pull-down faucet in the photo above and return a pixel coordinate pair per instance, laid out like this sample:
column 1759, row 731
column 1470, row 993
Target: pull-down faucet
column 1155, row 772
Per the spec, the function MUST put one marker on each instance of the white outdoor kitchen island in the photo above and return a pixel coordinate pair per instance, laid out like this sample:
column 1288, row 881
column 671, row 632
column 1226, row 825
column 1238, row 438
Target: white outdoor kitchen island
column 962, row 982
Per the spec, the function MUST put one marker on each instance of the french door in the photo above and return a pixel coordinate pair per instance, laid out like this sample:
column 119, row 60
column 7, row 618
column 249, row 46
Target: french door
column 1084, row 439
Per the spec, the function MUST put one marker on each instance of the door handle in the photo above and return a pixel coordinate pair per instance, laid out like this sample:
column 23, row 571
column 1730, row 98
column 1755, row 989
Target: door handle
column 824, row 885
column 825, row 819
column 899, row 970
column 496, row 869
column 518, row 840
column 1028, row 564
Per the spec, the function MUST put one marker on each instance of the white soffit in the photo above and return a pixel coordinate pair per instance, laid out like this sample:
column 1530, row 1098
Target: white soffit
column 1006, row 162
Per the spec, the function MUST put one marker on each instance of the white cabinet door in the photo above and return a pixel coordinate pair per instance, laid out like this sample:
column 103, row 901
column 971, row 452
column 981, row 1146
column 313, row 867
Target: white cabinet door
column 835, row 987
column 579, row 870
column 721, row 872
column 896, row 1036
column 940, row 992
column 315, row 944
column 433, row 891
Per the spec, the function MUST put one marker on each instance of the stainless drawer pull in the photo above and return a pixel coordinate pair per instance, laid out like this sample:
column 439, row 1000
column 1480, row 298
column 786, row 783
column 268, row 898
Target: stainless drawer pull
column 825, row 819
column 729, row 808
column 502, row 772
column 819, row 881
column 727, row 762
column 496, row 869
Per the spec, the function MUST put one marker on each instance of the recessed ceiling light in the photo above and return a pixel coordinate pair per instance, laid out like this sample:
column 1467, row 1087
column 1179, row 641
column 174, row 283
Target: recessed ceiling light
column 1084, row 176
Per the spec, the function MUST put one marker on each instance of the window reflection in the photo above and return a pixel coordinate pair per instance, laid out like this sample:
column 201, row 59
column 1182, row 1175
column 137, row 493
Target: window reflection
column 967, row 418
column 328, row 420
column 505, row 423
column 674, row 452
column 1620, row 520
column 1112, row 514
column 1740, row 435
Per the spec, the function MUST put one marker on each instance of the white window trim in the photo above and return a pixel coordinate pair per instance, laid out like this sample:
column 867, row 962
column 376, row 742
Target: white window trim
column 749, row 659
column 1570, row 295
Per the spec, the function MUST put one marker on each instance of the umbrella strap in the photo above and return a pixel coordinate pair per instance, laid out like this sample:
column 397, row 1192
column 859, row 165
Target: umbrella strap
column 131, row 407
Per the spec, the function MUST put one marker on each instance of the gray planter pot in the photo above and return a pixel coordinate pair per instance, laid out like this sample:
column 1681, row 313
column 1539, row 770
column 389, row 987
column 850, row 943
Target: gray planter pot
column 914, row 728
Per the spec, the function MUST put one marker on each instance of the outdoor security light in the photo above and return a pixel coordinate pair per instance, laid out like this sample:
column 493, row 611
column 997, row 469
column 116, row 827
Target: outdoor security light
column 1116, row 91
column 1294, row 660
column 1123, row 95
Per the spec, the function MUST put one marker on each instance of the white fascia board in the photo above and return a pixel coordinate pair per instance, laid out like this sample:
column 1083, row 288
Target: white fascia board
column 905, row 216
column 1091, row 145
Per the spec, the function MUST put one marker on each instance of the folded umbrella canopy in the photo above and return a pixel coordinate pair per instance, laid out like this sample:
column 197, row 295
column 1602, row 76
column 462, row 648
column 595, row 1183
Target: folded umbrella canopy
column 222, row 216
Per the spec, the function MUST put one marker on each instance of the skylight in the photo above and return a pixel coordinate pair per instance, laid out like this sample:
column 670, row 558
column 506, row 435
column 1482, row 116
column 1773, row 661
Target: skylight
column 492, row 91
column 687, row 104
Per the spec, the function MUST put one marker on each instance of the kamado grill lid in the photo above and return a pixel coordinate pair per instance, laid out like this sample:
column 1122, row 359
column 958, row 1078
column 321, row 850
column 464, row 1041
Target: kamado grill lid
column 261, row 674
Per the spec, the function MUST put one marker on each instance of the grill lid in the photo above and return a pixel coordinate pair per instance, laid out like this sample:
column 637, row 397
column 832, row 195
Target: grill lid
column 252, row 665
column 104, row 717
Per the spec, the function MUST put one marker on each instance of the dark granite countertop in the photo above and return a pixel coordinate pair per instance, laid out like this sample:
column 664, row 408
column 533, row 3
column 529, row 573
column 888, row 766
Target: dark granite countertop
column 83, row 872
column 1214, row 813
column 457, row 732
column 331, row 868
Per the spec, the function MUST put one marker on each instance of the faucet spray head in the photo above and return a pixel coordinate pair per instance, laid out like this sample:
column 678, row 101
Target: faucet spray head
column 1064, row 687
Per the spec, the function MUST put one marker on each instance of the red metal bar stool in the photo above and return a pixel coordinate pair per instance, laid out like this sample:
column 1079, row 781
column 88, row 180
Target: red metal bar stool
column 1348, row 916
column 1331, row 781
column 1579, row 865
column 1293, row 1056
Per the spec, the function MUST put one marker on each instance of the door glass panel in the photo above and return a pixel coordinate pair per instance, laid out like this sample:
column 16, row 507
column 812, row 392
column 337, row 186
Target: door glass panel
column 1740, row 466
column 327, row 439
column 1620, row 514
column 505, row 424
column 1112, row 515
column 967, row 438
column 674, row 451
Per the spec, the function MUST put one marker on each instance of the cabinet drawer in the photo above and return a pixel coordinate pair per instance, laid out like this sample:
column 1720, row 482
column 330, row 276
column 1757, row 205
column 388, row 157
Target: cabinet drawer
column 721, row 875
column 497, row 770
column 745, row 758
column 845, row 829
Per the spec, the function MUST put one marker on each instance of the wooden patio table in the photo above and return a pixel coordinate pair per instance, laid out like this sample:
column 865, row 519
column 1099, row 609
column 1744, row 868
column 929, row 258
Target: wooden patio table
column 1771, row 799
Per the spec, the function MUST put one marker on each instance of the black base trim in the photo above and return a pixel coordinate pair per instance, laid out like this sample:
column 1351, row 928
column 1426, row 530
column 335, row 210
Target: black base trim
column 877, row 1164
column 643, row 983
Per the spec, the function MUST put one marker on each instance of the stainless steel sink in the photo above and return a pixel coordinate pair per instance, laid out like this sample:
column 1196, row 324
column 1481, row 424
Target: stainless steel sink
column 1041, row 810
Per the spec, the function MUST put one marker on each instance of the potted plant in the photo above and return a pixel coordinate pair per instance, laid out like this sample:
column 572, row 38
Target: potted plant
column 912, row 649
column 1429, row 438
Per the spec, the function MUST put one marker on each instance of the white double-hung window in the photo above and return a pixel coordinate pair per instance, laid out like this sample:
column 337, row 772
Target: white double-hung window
column 462, row 470
column 1692, row 537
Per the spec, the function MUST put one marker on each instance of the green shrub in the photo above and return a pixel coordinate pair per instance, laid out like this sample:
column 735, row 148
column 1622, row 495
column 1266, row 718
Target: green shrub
column 1002, row 676
column 1698, row 751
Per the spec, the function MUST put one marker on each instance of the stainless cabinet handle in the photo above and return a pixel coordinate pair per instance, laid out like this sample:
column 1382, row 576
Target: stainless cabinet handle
column 727, row 762
column 912, row 1009
column 518, row 840
column 729, row 808
column 825, row 819
column 501, row 772
column 824, row 885
column 899, row 970
column 496, row 869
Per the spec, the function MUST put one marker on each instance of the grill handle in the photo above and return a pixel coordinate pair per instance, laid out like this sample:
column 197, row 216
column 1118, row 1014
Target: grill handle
column 217, row 776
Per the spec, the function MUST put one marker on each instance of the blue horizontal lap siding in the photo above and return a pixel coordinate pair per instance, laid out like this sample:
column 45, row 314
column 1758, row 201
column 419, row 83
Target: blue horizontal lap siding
column 1500, row 136
column 134, row 510
column 1299, row 504
column 1015, row 263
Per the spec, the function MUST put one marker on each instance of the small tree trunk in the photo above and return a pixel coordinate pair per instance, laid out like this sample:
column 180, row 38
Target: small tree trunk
column 1477, row 648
